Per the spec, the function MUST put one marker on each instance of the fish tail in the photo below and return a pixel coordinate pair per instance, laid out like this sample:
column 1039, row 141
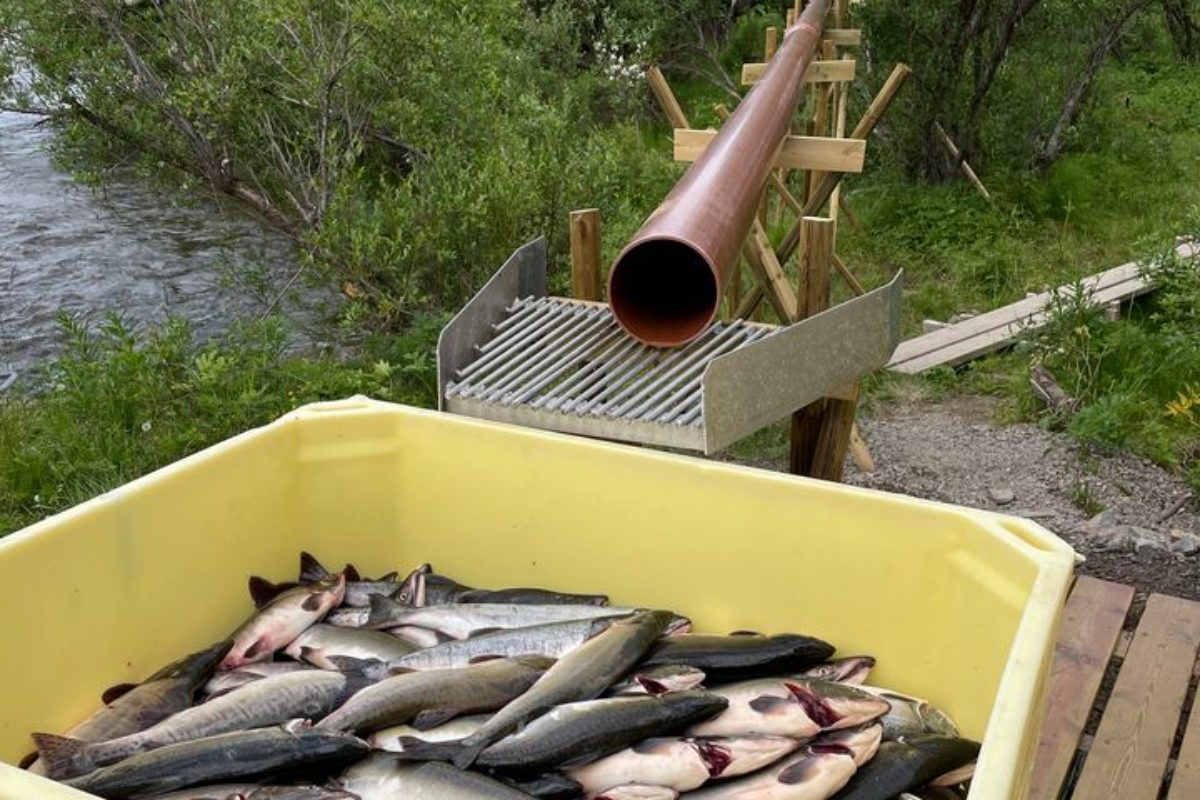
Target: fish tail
column 466, row 756
column 62, row 756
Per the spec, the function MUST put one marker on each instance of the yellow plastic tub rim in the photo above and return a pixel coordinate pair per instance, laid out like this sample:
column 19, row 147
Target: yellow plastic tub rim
column 959, row 606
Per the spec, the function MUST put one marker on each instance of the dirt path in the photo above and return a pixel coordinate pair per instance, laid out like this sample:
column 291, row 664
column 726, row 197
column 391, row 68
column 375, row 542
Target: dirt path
column 953, row 452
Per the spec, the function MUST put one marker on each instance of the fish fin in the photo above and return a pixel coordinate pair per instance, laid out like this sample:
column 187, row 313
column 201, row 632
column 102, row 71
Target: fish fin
column 391, row 577
column 351, row 664
column 466, row 756
column 410, row 748
column 381, row 610
column 745, row 633
column 769, row 705
column 485, row 658
column 259, row 648
column 815, row 706
column 262, row 591
column 351, row 572
column 798, row 772
column 114, row 693
column 311, row 570
column 399, row 670
column 64, row 757
column 482, row 631
column 433, row 717
column 27, row 761
column 312, row 602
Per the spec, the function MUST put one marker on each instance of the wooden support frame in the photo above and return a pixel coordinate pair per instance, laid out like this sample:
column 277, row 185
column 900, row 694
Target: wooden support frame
column 818, row 72
column 821, row 153
column 957, row 155
column 585, row 254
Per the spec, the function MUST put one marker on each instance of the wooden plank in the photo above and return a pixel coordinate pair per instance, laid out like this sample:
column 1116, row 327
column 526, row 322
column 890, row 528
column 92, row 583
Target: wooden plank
column 770, row 43
column 816, row 270
column 1091, row 624
column 989, row 332
column 818, row 72
column 798, row 152
column 1186, row 783
column 767, row 269
column 585, row 254
column 955, row 154
column 844, row 37
column 666, row 98
column 1128, row 757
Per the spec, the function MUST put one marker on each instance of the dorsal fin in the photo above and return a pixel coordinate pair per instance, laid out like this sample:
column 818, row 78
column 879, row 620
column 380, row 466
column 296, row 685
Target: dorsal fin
column 352, row 574
column 115, row 693
column 262, row 591
column 311, row 570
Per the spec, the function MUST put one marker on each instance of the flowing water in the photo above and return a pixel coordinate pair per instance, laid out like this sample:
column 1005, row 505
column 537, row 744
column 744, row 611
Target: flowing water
column 67, row 248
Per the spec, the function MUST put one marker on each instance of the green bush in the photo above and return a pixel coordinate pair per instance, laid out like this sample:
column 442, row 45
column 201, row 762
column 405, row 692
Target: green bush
column 120, row 402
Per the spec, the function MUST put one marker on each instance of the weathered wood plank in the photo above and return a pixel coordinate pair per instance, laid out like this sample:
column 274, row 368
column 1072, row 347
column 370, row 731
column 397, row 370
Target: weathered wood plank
column 986, row 333
column 844, row 37
column 1186, row 783
column 1091, row 624
column 1129, row 755
column 798, row 152
column 818, row 72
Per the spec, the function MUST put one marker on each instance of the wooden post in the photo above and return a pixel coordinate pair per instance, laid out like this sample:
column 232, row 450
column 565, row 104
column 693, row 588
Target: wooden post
column 791, row 17
column 585, row 254
column 841, row 13
column 955, row 154
column 666, row 98
column 816, row 264
column 771, row 44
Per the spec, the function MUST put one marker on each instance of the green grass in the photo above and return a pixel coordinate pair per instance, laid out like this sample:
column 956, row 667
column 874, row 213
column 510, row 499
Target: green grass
column 120, row 402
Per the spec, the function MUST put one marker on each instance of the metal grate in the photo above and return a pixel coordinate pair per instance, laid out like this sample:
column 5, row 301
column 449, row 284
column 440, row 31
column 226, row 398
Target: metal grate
column 558, row 356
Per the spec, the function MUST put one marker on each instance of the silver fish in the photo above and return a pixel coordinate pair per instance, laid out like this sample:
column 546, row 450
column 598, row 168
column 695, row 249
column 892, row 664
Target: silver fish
column 381, row 777
column 226, row 757
column 553, row 640
column 431, row 697
column 320, row 643
column 359, row 590
column 129, row 709
column 763, row 706
column 806, row 775
column 911, row 716
column 396, row 737
column 581, row 674
column 460, row 620
column 269, row 701
column 282, row 619
column 226, row 681
column 658, row 680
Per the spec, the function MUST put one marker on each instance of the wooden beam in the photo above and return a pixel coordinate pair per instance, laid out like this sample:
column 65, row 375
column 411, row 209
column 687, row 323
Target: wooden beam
column 844, row 37
column 585, row 253
column 816, row 253
column 1186, row 783
column 771, row 278
column 798, row 152
column 818, row 72
column 666, row 98
column 1091, row 624
column 1129, row 753
column 955, row 154
column 771, row 43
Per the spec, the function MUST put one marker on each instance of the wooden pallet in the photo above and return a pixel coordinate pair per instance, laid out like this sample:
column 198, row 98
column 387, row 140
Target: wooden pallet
column 995, row 330
column 1133, row 751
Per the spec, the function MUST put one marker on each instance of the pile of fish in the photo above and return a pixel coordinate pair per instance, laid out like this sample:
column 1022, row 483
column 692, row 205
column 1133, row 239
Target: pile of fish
column 343, row 688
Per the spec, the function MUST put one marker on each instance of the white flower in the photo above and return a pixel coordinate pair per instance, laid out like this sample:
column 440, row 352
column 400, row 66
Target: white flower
column 146, row 426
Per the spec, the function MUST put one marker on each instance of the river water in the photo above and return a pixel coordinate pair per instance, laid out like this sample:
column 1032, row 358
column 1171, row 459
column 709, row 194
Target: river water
column 67, row 248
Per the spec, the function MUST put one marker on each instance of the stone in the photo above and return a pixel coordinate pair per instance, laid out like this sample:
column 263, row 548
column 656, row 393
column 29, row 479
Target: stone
column 1113, row 538
column 1001, row 496
column 1147, row 542
column 1186, row 545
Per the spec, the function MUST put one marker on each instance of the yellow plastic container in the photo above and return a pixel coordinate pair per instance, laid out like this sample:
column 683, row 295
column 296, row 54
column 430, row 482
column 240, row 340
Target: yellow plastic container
column 959, row 606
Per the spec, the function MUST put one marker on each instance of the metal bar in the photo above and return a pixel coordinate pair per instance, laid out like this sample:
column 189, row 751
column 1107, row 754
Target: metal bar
column 651, row 389
column 507, row 380
column 547, row 376
column 586, row 376
column 527, row 342
column 636, row 384
column 693, row 372
column 543, row 314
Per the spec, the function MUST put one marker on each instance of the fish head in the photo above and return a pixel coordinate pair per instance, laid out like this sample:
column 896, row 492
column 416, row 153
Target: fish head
column 861, row 743
column 937, row 721
column 834, row 706
column 747, row 754
column 678, row 625
column 852, row 670
column 325, row 594
column 666, row 679
column 411, row 591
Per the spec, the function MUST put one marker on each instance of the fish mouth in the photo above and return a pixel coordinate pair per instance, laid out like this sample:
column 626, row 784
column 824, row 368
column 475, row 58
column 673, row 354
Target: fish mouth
column 716, row 758
column 817, row 709
column 831, row 748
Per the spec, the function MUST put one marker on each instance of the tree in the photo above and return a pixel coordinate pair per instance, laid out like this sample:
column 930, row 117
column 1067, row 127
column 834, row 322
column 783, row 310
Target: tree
column 1181, row 25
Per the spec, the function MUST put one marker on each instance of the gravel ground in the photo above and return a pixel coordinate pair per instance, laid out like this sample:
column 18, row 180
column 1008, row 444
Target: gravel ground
column 952, row 451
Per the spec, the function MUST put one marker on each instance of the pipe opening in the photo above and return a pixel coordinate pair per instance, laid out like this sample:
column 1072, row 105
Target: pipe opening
column 663, row 292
